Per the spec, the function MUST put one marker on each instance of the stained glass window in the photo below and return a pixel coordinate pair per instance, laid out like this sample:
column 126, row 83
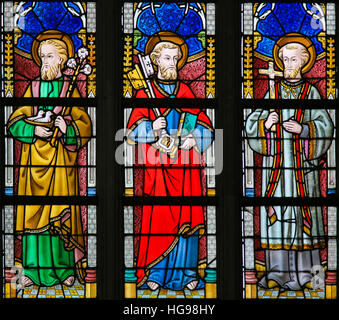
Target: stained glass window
column 49, row 213
column 288, row 150
column 169, row 224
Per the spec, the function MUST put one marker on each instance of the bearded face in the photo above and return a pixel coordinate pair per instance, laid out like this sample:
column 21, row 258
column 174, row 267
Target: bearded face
column 167, row 64
column 293, row 64
column 50, row 62
column 291, row 73
column 168, row 73
column 49, row 72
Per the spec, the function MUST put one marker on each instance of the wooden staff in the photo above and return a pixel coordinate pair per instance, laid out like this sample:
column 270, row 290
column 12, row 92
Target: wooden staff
column 68, row 94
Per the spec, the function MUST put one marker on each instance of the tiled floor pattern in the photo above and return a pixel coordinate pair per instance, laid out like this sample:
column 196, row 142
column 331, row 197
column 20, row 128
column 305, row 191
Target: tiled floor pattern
column 164, row 293
column 305, row 294
column 58, row 291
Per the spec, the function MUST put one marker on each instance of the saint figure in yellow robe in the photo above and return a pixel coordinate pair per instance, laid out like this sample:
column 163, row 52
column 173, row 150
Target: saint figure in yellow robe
column 53, row 249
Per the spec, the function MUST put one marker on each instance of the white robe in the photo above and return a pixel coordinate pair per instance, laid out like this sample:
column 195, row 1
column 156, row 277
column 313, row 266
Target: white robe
column 285, row 229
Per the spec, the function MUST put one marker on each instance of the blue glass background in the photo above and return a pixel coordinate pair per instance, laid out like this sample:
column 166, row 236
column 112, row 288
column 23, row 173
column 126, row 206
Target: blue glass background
column 46, row 16
column 170, row 17
column 286, row 18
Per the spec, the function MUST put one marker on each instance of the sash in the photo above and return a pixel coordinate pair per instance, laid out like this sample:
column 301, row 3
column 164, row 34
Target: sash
column 298, row 158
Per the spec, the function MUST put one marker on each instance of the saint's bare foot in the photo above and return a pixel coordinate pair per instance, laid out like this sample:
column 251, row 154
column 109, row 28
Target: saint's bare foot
column 152, row 285
column 69, row 281
column 26, row 282
column 192, row 285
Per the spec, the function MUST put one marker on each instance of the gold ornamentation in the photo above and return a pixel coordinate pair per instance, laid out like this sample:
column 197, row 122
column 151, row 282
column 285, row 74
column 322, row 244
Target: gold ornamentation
column 330, row 68
column 256, row 39
column 127, row 65
column 248, row 72
column 91, row 290
column 211, row 192
column 8, row 60
column 129, row 192
column 322, row 39
column 17, row 35
column 331, row 291
column 130, row 290
column 251, row 291
column 82, row 36
column 211, row 290
column 91, row 60
column 210, row 72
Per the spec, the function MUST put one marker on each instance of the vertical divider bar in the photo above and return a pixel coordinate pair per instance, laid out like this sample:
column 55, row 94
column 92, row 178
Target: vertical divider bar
column 2, row 150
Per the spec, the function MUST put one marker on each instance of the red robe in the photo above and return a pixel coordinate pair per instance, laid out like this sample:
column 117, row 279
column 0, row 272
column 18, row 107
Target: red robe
column 181, row 177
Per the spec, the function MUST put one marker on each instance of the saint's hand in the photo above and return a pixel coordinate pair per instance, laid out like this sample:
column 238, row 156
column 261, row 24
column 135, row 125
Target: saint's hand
column 292, row 126
column 159, row 123
column 42, row 132
column 272, row 119
column 61, row 124
column 188, row 142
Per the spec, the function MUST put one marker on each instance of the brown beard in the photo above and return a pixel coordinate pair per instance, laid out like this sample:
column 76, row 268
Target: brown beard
column 291, row 74
column 168, row 73
column 50, row 73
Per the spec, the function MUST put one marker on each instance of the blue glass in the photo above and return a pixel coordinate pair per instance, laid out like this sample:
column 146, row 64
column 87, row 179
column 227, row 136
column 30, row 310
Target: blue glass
column 144, row 4
column 266, row 7
column 192, row 4
column 192, row 24
column 69, row 24
column 194, row 46
column 266, row 46
column 286, row 18
column 30, row 24
column 290, row 16
column 142, row 43
column 147, row 23
column 48, row 16
column 171, row 17
column 75, row 7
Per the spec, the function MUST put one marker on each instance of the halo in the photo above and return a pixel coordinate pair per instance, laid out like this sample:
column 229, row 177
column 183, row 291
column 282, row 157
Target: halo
column 172, row 37
column 295, row 37
column 51, row 34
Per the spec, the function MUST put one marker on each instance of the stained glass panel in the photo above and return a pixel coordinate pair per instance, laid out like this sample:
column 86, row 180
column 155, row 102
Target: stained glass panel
column 318, row 146
column 267, row 27
column 306, row 274
column 169, row 54
column 288, row 150
column 49, row 59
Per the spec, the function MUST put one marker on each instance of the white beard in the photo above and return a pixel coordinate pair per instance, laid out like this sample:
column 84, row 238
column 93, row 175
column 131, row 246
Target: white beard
column 50, row 73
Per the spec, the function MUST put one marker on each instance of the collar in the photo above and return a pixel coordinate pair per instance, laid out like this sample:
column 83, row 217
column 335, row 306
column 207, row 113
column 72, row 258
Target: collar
column 288, row 84
column 163, row 92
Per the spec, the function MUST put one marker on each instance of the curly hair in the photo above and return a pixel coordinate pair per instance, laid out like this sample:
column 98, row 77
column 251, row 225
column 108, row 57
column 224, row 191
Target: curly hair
column 305, row 55
column 60, row 47
column 156, row 52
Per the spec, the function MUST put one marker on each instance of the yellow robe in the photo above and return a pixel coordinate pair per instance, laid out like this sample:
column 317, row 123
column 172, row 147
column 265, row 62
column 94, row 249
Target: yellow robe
column 51, row 171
